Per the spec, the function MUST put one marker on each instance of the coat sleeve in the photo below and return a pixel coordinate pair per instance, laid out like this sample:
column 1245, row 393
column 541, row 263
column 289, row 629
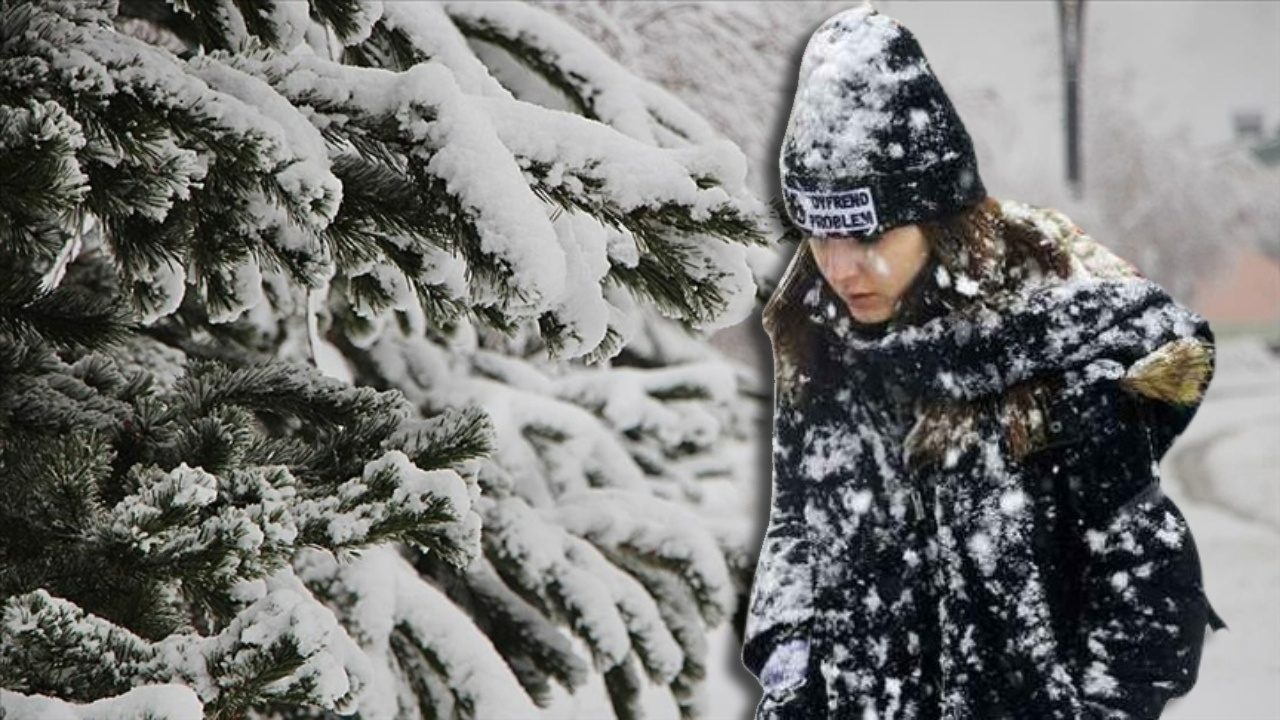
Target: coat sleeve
column 1144, row 609
column 780, row 607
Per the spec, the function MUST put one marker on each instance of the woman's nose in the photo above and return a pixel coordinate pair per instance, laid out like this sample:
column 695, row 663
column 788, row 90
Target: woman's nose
column 848, row 260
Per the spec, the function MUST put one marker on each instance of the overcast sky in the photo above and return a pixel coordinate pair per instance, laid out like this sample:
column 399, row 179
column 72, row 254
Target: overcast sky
column 1187, row 64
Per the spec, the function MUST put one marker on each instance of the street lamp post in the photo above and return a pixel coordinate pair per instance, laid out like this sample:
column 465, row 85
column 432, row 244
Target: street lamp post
column 1071, row 38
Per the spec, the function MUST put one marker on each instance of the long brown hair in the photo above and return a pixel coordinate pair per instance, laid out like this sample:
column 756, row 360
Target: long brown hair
column 979, row 243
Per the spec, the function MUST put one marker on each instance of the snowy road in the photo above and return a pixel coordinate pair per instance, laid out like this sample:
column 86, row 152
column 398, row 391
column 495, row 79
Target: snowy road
column 1225, row 475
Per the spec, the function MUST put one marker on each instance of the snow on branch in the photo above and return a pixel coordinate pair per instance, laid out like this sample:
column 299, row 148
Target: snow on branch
column 615, row 172
column 356, row 186
column 655, row 401
column 653, row 643
column 208, row 542
column 285, row 646
column 645, row 531
column 162, row 145
column 543, row 512
column 246, row 158
column 600, row 87
column 535, row 648
column 408, row 627
column 155, row 702
column 680, row 612
column 529, row 554
column 395, row 500
column 411, row 33
column 555, row 447
column 422, row 117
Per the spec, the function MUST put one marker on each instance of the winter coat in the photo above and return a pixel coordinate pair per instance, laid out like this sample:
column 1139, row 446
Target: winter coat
column 937, row 565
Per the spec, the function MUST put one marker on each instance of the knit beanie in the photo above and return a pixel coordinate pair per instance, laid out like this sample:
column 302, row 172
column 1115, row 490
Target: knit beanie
column 873, row 142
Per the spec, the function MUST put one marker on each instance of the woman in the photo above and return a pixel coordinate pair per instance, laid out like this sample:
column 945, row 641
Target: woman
column 972, row 399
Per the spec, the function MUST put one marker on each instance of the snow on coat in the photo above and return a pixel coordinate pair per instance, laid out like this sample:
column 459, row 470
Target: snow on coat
column 938, row 566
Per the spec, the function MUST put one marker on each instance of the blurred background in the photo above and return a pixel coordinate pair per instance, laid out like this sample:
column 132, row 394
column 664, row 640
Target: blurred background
column 1179, row 115
column 1177, row 168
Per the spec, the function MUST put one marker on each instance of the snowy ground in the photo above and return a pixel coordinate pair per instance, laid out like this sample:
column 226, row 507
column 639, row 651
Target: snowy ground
column 1224, row 473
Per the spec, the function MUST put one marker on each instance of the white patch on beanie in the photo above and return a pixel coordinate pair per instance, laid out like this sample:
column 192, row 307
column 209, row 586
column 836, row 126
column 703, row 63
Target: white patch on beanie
column 835, row 130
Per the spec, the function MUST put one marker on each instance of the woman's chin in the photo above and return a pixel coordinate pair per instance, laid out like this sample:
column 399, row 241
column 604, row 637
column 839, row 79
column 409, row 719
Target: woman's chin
column 868, row 312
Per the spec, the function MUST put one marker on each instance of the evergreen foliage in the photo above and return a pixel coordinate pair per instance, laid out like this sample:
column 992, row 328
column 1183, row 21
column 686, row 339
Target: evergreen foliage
column 330, row 374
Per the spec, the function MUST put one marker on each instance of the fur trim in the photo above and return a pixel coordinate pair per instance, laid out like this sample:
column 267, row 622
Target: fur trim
column 1023, row 418
column 1178, row 372
column 939, row 429
column 951, row 428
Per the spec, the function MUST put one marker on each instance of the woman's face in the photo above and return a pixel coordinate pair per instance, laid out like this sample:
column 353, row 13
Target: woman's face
column 871, row 277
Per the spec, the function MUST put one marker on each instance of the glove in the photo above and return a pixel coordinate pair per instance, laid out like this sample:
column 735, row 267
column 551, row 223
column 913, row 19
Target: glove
column 787, row 666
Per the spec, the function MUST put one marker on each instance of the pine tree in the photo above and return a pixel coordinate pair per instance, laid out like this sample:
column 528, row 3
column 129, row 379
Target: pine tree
column 345, row 363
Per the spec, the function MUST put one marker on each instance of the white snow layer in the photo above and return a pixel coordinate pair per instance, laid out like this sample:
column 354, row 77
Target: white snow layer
column 352, row 513
column 305, row 173
column 430, row 30
column 479, row 141
column 823, row 93
column 583, row 307
column 539, row 548
column 650, row 636
column 333, row 670
column 635, row 175
column 464, row 151
column 158, row 702
column 621, row 99
column 583, row 449
column 167, row 285
column 629, row 523
column 625, row 398
column 390, row 596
